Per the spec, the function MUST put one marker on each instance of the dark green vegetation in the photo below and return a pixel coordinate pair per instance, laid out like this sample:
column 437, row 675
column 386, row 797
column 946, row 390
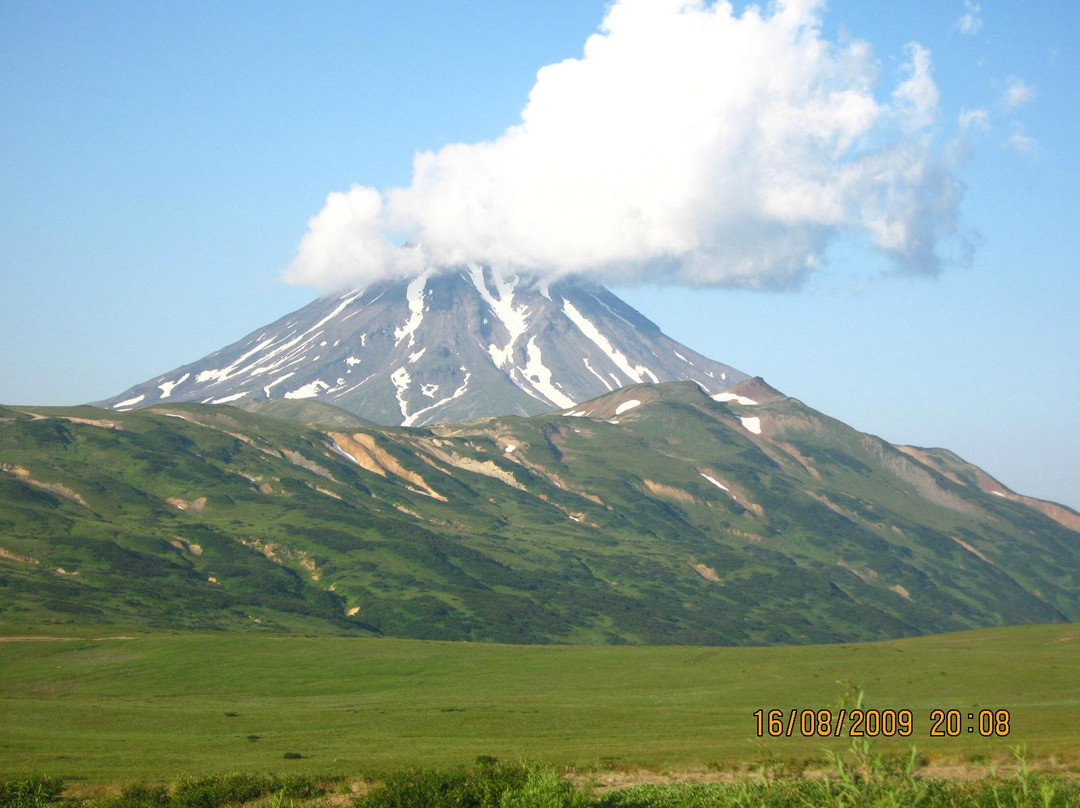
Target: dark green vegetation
column 864, row 781
column 199, row 517
column 217, row 703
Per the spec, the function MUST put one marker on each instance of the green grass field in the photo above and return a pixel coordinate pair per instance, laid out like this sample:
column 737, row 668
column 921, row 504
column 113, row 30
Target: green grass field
column 153, row 707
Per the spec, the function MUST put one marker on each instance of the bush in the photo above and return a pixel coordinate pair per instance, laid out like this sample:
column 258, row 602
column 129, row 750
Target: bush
column 218, row 790
column 488, row 784
column 32, row 791
column 138, row 795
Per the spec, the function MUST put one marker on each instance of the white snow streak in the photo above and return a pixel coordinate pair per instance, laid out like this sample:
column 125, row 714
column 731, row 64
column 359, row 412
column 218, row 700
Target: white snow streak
column 586, row 327
column 539, row 376
column 352, row 360
column 342, row 452
column 603, row 381
column 131, row 402
column 627, row 405
column 514, row 319
column 414, row 293
column 227, row 399
column 997, row 493
column 733, row 397
column 276, row 381
column 167, row 388
column 429, row 390
column 715, row 482
column 221, row 374
column 401, row 379
column 415, row 356
column 411, row 419
column 510, row 448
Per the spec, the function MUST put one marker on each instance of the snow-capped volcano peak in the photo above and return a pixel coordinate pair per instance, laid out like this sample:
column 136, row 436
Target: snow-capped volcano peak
column 442, row 347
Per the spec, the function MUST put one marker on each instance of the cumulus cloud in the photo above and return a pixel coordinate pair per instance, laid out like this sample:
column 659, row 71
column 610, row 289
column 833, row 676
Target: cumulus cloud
column 688, row 144
column 970, row 22
column 1017, row 93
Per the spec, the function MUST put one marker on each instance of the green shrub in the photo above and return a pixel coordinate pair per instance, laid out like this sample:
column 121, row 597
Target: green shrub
column 481, row 786
column 137, row 795
column 31, row 791
column 218, row 790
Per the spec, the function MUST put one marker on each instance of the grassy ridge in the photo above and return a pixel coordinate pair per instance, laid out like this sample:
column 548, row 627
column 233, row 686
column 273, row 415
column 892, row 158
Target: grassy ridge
column 670, row 524
column 159, row 705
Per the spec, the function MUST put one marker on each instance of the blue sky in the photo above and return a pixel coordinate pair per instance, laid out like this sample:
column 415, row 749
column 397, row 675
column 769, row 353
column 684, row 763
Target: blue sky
column 162, row 162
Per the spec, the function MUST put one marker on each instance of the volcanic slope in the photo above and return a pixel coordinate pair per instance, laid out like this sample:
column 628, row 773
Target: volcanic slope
column 653, row 514
column 443, row 347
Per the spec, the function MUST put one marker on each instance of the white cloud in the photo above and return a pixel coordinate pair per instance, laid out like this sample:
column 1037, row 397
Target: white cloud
column 687, row 145
column 973, row 119
column 1017, row 93
column 1020, row 141
column 970, row 22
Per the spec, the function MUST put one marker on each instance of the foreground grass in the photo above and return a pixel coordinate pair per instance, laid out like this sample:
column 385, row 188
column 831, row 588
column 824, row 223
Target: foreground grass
column 157, row 706
column 864, row 780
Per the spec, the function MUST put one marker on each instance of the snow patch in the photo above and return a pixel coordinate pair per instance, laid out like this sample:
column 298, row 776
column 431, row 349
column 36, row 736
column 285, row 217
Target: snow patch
column 715, row 482
column 131, row 402
column 539, row 376
column 401, row 379
column 733, row 397
column 412, row 419
column 683, row 358
column 227, row 399
column 997, row 493
column 514, row 319
column 627, row 405
column 342, row 452
column 414, row 293
column 278, row 380
column 352, row 360
column 167, row 388
column 586, row 327
column 414, row 356
column 510, row 447
column 752, row 424
column 309, row 390
column 429, row 390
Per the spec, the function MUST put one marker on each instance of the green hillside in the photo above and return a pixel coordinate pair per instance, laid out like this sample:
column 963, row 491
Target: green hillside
column 670, row 521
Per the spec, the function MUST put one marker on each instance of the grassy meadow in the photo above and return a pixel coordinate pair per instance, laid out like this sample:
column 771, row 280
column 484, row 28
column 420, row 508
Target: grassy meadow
column 160, row 705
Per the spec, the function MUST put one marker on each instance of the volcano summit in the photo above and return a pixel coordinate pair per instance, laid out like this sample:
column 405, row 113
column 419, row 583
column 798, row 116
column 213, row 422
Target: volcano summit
column 441, row 348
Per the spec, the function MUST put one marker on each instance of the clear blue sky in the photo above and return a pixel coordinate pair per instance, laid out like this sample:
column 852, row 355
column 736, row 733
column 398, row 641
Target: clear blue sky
column 161, row 162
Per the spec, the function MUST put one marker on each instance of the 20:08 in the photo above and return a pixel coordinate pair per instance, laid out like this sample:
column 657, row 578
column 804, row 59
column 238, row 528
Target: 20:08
column 951, row 723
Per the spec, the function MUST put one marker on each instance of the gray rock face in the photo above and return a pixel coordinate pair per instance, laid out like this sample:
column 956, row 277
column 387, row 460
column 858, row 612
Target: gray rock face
column 449, row 346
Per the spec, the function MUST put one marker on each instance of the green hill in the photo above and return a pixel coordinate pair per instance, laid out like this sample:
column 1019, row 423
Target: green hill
column 676, row 520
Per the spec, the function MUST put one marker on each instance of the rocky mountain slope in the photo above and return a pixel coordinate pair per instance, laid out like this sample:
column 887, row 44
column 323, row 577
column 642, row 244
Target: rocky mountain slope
column 440, row 348
column 651, row 514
